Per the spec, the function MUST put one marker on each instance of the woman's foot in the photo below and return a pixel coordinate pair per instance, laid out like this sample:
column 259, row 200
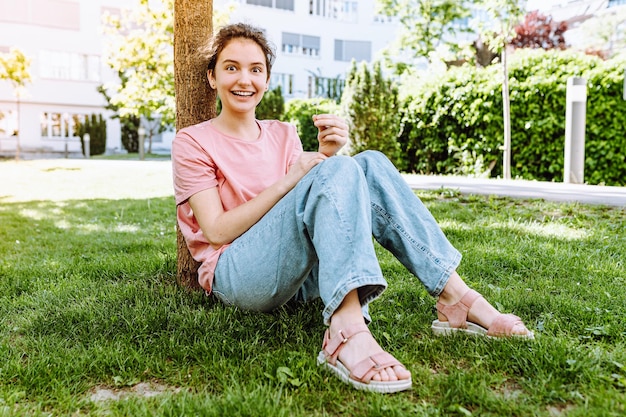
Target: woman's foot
column 361, row 346
column 352, row 354
column 460, row 308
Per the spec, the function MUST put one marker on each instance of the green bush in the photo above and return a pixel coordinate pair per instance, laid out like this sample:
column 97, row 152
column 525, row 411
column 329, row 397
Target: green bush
column 95, row 126
column 300, row 113
column 271, row 106
column 371, row 104
column 452, row 122
column 130, row 133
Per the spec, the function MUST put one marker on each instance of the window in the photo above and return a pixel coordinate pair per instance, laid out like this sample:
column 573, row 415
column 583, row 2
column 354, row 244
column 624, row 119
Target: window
column 284, row 4
column 614, row 3
column 60, row 125
column 343, row 10
column 285, row 81
column 349, row 50
column 264, row 3
column 277, row 4
column 8, row 123
column 296, row 44
column 325, row 87
column 69, row 66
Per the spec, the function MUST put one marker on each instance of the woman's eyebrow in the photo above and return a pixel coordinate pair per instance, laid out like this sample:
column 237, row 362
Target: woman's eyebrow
column 234, row 61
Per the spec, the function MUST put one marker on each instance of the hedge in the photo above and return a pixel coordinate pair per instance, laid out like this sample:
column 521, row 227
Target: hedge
column 452, row 122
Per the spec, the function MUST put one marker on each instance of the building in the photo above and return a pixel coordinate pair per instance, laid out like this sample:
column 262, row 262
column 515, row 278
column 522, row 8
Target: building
column 593, row 25
column 316, row 41
column 64, row 42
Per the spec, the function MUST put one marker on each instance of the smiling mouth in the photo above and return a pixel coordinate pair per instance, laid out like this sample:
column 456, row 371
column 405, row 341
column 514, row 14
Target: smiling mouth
column 243, row 93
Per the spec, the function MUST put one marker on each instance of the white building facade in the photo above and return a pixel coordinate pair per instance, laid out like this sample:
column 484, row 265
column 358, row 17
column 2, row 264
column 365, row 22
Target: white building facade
column 64, row 41
column 315, row 40
column 593, row 25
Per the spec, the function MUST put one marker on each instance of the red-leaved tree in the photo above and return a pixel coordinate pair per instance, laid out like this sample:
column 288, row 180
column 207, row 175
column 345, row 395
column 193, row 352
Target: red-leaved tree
column 540, row 32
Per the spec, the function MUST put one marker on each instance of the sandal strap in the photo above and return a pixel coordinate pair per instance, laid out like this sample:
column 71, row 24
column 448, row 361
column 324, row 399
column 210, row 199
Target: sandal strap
column 365, row 370
column 457, row 313
column 503, row 325
column 332, row 346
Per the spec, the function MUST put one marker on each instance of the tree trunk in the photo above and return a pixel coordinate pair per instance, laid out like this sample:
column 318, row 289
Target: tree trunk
column 195, row 101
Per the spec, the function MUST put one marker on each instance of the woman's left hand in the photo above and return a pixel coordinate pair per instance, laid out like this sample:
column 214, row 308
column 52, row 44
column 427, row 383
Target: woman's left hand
column 333, row 133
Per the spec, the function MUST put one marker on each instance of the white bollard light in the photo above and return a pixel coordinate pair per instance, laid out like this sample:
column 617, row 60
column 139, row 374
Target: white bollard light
column 86, row 141
column 575, row 119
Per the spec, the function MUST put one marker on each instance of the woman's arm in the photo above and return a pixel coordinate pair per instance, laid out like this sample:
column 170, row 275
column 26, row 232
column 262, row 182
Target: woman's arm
column 221, row 227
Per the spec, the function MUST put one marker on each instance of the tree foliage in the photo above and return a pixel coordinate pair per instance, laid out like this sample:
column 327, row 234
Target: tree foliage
column 539, row 31
column 425, row 25
column 15, row 68
column 140, row 50
column 603, row 34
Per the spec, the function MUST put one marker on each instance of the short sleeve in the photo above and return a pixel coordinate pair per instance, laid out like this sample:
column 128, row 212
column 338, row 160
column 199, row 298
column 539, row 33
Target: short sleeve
column 192, row 167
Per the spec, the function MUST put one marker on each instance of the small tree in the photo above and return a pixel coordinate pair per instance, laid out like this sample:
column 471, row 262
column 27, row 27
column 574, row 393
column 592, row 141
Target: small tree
column 371, row 105
column 539, row 31
column 505, row 14
column 14, row 67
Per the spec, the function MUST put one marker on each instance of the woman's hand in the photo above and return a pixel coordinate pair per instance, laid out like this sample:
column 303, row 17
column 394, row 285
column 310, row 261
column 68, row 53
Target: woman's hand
column 333, row 133
column 302, row 166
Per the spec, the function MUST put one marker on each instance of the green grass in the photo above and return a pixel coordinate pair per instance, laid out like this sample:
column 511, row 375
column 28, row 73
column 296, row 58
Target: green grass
column 133, row 156
column 88, row 302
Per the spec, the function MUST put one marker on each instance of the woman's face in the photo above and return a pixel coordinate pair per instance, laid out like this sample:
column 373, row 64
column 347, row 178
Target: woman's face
column 240, row 76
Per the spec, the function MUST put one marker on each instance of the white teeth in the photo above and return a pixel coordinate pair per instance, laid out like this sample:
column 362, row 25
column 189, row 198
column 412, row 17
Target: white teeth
column 243, row 93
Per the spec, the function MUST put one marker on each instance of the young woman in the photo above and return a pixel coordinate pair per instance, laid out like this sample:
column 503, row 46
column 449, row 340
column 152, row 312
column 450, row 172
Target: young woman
column 271, row 223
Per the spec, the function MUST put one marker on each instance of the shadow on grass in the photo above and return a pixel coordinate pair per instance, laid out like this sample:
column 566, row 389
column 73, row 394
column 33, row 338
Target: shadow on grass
column 88, row 299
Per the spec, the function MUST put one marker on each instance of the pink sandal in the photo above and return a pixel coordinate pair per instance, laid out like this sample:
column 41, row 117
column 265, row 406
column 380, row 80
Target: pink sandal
column 456, row 314
column 361, row 376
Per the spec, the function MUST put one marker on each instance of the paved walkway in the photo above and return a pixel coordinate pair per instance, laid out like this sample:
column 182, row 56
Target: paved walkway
column 553, row 191
column 67, row 179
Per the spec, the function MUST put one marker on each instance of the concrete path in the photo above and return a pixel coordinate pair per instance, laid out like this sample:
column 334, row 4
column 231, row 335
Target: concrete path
column 67, row 179
column 552, row 191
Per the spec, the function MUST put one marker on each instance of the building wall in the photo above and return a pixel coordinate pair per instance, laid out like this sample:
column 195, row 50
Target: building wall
column 64, row 41
column 344, row 22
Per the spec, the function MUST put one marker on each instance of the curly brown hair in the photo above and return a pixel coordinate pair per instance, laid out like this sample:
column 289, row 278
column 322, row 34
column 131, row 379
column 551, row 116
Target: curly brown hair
column 238, row 31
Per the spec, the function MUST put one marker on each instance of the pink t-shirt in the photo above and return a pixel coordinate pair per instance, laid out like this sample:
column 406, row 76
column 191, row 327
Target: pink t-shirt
column 203, row 158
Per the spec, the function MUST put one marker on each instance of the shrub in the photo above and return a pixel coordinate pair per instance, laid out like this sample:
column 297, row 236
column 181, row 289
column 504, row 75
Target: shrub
column 370, row 102
column 452, row 122
column 95, row 126
column 300, row 112
column 272, row 106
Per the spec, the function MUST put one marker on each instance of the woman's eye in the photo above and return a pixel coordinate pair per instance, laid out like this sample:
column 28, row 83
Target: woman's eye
column 230, row 68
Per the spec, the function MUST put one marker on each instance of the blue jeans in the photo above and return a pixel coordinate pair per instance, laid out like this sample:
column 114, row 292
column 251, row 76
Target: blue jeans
column 316, row 242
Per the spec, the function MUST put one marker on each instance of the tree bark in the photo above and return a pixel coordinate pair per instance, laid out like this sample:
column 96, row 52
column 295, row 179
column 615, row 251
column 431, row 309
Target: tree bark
column 195, row 101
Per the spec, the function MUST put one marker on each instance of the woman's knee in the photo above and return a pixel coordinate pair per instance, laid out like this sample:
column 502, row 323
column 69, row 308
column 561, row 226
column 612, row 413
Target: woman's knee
column 340, row 167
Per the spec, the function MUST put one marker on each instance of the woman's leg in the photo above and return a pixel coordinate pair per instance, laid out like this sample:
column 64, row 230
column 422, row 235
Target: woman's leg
column 403, row 225
column 317, row 240
column 320, row 232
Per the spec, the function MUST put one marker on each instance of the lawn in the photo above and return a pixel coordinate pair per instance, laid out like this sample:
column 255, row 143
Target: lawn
column 92, row 321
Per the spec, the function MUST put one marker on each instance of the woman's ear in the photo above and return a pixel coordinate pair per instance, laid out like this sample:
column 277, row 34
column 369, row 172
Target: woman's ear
column 209, row 76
